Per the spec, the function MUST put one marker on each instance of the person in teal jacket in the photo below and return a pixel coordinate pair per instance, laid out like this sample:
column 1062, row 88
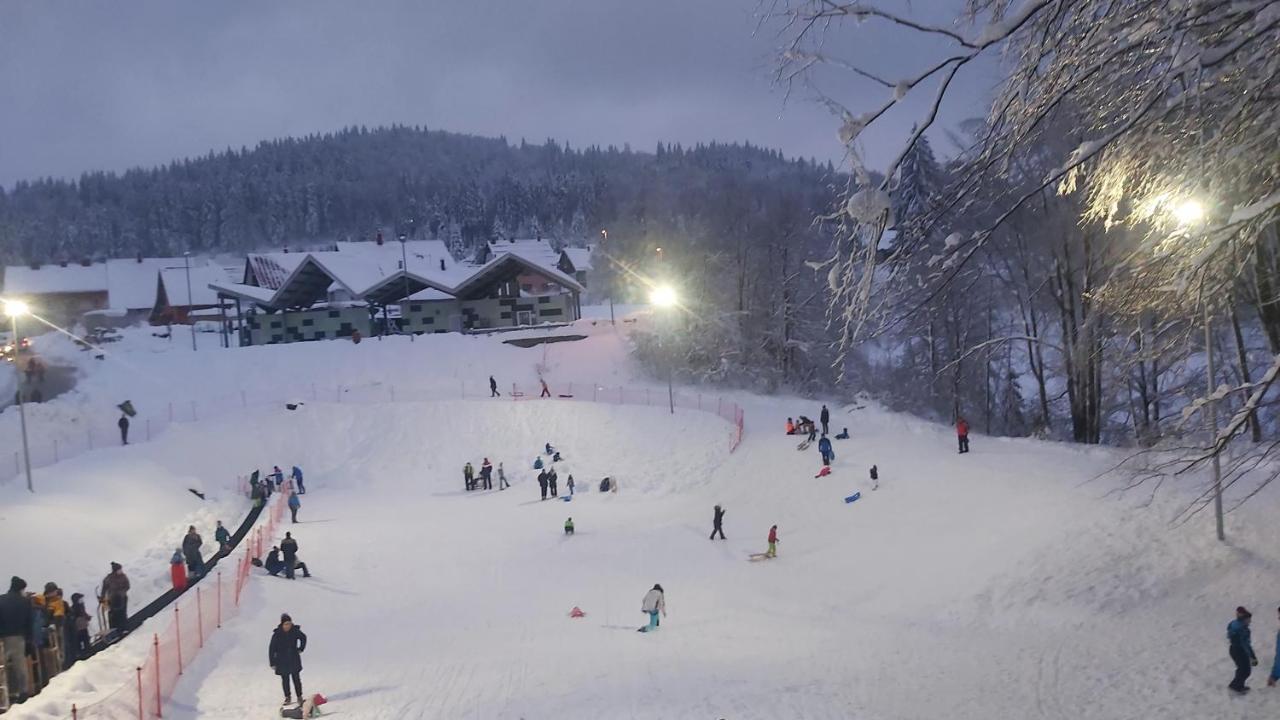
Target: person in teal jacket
column 1241, row 649
column 294, row 504
column 1275, row 664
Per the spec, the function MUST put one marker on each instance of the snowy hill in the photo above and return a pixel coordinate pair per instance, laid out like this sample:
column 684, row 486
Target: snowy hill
column 1006, row 583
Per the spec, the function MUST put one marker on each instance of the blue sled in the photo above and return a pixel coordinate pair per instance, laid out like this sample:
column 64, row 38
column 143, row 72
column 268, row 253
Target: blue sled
column 853, row 497
column 567, row 498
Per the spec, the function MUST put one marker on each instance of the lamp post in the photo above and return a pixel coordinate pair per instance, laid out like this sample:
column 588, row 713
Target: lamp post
column 15, row 308
column 404, row 267
column 604, row 239
column 191, row 303
column 664, row 297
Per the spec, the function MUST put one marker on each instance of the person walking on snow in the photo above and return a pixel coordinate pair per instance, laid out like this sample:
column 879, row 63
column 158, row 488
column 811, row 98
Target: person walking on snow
column 962, row 434
column 191, row 549
column 655, row 601
column 546, row 391
column 570, row 484
column 223, row 537
column 716, row 523
column 825, row 417
column 486, row 474
column 1275, row 664
column 468, row 476
column 123, row 424
column 502, row 479
column 284, row 654
column 1240, row 647
column 542, row 483
column 824, row 447
column 773, row 542
column 294, row 505
column 297, row 480
column 493, row 388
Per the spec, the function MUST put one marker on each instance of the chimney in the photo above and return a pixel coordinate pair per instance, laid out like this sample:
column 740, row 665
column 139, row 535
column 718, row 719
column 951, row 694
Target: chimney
column 139, row 258
column 286, row 249
column 379, row 238
column 442, row 263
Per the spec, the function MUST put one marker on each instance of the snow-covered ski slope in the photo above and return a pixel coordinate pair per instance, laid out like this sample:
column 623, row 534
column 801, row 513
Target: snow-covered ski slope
column 1000, row 584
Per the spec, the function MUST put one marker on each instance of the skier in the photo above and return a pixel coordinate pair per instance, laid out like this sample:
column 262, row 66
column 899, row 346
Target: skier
column 844, row 434
column 123, row 424
column 502, row 479
column 486, row 474
column 1241, row 649
column 824, row 447
column 223, row 537
column 546, row 392
column 1275, row 665
column 191, row 549
column 289, row 547
column 542, row 483
column 177, row 572
column 962, row 434
column 716, row 522
column 468, row 476
column 284, row 653
column 569, row 484
column 297, row 480
column 568, row 526
column 773, row 542
column 115, row 594
column 655, row 601
column 552, row 479
column 294, row 505
column 825, row 417
column 278, row 475
column 16, row 621
column 875, row 478
column 493, row 388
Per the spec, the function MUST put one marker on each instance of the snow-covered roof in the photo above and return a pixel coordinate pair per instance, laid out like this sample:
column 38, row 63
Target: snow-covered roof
column 49, row 279
column 131, row 283
column 175, row 285
column 251, row 293
column 580, row 257
column 538, row 252
column 271, row 269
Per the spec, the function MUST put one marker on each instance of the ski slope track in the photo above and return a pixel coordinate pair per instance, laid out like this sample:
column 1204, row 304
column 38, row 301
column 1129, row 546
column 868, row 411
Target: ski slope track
column 1006, row 583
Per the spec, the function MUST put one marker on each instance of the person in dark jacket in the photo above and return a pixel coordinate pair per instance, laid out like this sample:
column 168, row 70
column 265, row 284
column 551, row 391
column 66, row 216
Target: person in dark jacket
column 223, row 538
column 486, row 474
column 284, row 654
column 16, row 620
column 469, row 476
column 542, row 483
column 1240, row 647
column 123, row 424
column 824, row 447
column 715, row 523
column 825, row 417
column 297, row 480
column 191, row 550
column 77, row 630
column 289, row 548
column 493, row 388
column 552, row 479
column 115, row 593
column 1275, row 664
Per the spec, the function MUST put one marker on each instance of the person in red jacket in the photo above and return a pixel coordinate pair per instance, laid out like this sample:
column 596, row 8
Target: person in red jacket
column 178, row 571
column 773, row 542
column 962, row 434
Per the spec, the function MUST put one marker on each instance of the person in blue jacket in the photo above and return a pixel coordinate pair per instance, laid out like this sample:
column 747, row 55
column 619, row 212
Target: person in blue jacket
column 824, row 447
column 297, row 480
column 1275, row 665
column 1241, row 649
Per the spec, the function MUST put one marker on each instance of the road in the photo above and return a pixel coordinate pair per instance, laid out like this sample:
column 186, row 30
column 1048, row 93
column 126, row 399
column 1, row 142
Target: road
column 58, row 379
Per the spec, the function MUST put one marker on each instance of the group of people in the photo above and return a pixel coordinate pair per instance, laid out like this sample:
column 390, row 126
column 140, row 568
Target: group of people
column 809, row 428
column 283, row 558
column 484, row 481
column 40, row 635
column 717, row 528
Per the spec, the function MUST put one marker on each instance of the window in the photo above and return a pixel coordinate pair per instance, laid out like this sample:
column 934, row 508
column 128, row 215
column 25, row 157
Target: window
column 551, row 312
column 319, row 334
column 415, row 307
column 428, row 321
column 544, row 299
column 333, row 313
column 277, row 338
column 276, row 325
column 309, row 322
column 524, row 317
column 505, row 316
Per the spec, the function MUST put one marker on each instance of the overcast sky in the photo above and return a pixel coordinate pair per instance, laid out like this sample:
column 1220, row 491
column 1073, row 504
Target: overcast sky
column 112, row 85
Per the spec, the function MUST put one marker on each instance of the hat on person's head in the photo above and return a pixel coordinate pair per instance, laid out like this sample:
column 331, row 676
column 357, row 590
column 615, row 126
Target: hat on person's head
column 116, row 566
column 50, row 587
column 1243, row 613
column 284, row 618
column 77, row 597
column 17, row 584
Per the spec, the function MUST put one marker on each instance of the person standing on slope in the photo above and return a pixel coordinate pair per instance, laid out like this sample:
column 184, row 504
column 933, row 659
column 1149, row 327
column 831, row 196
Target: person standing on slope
column 1275, row 664
column 123, row 424
column 115, row 593
column 655, row 601
column 824, row 447
column 289, row 548
column 552, row 479
column 502, row 479
column 191, row 543
column 493, row 388
column 773, row 542
column 570, row 484
column 962, row 434
column 715, row 524
column 284, row 654
column 223, row 537
column 542, row 483
column 546, row 391
column 295, row 504
column 486, row 474
column 825, row 417
column 469, row 476
column 297, row 480
column 1240, row 647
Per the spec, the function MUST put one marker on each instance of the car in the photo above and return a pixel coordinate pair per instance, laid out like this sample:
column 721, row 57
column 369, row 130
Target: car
column 10, row 352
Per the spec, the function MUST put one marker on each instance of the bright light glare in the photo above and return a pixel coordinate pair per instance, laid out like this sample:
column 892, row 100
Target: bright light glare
column 1188, row 212
column 663, row 296
column 15, row 308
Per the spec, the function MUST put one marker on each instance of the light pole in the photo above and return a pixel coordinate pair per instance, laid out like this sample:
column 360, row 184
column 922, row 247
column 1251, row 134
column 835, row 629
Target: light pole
column 404, row 266
column 664, row 298
column 15, row 308
column 604, row 239
column 191, row 303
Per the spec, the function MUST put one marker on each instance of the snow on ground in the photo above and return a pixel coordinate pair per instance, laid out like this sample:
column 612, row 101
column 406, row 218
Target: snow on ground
column 1004, row 583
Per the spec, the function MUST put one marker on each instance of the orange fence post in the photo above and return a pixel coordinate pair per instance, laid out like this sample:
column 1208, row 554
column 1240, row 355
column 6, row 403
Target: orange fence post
column 155, row 644
column 177, row 626
column 219, row 614
column 199, row 618
column 140, row 717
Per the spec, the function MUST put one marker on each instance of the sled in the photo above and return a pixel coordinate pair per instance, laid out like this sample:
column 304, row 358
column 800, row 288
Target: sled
column 567, row 498
column 753, row 557
column 804, row 445
column 825, row 471
column 853, row 498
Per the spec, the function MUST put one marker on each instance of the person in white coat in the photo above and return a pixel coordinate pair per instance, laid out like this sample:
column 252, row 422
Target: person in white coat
column 654, row 602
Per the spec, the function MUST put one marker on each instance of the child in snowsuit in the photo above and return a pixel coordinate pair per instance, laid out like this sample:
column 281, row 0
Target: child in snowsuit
column 568, row 526
column 773, row 542
column 962, row 434
column 177, row 572
column 223, row 537
column 824, row 447
column 844, row 434
column 655, row 601
column 875, row 478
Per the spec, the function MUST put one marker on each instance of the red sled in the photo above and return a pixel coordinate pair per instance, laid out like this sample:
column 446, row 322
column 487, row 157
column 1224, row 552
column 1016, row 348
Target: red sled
column 825, row 471
column 576, row 612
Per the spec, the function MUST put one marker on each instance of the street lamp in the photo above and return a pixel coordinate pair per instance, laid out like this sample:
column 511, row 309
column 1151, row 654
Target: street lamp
column 1187, row 213
column 191, row 303
column 404, row 266
column 604, row 240
column 664, row 298
column 14, row 309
